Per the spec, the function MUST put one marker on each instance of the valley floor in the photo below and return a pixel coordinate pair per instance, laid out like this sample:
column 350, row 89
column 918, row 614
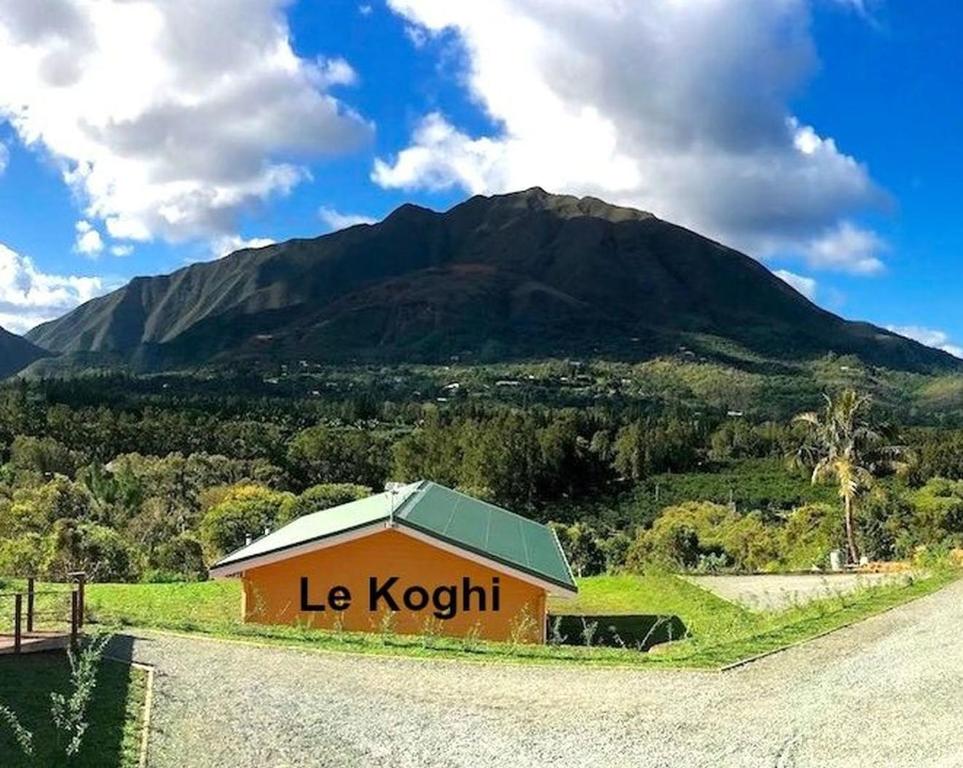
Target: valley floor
column 882, row 692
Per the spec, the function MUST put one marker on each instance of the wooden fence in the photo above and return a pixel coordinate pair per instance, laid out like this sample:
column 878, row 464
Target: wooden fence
column 39, row 618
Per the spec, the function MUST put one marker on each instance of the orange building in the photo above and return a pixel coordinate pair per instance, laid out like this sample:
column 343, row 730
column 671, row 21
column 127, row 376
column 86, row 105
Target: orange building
column 419, row 559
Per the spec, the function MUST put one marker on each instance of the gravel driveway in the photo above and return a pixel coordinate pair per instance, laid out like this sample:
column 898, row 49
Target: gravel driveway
column 770, row 592
column 887, row 692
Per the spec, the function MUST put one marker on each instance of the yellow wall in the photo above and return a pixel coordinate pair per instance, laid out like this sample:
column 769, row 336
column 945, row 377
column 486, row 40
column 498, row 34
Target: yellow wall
column 272, row 593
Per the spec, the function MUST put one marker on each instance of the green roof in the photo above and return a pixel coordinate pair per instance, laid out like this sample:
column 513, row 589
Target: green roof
column 441, row 513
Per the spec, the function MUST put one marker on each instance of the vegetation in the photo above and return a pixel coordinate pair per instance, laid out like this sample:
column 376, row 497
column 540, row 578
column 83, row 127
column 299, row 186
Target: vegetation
column 842, row 445
column 59, row 720
column 153, row 478
column 720, row 632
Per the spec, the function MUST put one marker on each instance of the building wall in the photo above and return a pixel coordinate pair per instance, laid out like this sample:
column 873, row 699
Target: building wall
column 272, row 593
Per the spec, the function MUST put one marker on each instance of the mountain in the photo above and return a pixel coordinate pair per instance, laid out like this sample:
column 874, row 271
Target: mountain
column 524, row 274
column 16, row 353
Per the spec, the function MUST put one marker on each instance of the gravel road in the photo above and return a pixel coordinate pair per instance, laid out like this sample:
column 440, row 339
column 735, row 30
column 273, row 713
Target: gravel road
column 770, row 592
column 887, row 692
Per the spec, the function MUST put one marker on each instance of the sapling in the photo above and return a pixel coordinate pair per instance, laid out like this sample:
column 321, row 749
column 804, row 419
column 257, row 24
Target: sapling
column 69, row 711
column 22, row 736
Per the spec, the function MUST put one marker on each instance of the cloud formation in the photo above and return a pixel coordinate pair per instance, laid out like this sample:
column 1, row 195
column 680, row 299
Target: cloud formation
column 931, row 337
column 805, row 285
column 225, row 245
column 170, row 119
column 89, row 242
column 336, row 220
column 29, row 297
column 680, row 108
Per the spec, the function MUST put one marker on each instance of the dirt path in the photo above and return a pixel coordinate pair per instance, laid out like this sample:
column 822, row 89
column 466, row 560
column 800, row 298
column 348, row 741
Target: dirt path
column 884, row 693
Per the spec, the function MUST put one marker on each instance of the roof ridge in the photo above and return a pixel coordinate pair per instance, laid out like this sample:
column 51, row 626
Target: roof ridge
column 408, row 502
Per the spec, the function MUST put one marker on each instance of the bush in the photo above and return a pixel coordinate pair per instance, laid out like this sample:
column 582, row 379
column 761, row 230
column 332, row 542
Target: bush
column 243, row 511
column 42, row 455
column 809, row 534
column 22, row 557
column 94, row 549
column 182, row 556
column 695, row 534
column 582, row 548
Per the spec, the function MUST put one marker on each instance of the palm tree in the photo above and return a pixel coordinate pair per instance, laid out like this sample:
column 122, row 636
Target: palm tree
column 840, row 443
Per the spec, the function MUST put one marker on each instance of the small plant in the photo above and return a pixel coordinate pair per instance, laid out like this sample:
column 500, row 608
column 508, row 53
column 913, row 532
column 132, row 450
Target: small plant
column 555, row 636
column 69, row 711
column 644, row 643
column 430, row 631
column 472, row 638
column 23, row 737
column 385, row 626
column 617, row 638
column 337, row 627
column 589, row 628
column 521, row 628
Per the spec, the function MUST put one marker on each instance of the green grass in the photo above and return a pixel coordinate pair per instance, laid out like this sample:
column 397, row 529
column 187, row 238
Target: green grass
column 721, row 633
column 115, row 714
column 704, row 614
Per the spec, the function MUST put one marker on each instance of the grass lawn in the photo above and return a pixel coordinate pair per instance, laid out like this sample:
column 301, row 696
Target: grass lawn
column 721, row 632
column 115, row 714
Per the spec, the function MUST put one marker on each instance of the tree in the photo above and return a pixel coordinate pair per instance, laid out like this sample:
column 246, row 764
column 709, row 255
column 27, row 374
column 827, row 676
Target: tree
column 77, row 546
column 42, row 455
column 245, row 511
column 582, row 548
column 840, row 443
column 182, row 557
column 321, row 455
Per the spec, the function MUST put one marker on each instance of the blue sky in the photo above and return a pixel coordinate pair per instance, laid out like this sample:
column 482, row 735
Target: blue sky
column 820, row 136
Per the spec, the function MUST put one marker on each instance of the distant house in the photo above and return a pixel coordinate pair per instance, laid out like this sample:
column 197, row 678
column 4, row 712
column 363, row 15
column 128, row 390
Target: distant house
column 415, row 558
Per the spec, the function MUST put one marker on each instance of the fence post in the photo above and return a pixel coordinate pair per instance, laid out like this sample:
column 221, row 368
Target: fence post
column 17, row 616
column 74, row 617
column 81, row 578
column 30, row 603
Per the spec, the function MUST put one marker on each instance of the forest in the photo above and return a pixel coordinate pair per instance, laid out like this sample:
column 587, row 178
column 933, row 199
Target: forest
column 151, row 479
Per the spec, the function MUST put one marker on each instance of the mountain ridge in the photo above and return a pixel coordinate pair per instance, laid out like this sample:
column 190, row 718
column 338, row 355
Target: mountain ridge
column 527, row 274
column 16, row 353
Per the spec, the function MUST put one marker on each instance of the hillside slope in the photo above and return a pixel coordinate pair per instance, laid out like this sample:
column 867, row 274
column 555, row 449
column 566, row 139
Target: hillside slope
column 524, row 274
column 16, row 353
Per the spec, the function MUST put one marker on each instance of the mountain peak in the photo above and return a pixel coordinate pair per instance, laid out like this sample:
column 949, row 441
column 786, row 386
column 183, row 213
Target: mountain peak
column 563, row 205
column 525, row 274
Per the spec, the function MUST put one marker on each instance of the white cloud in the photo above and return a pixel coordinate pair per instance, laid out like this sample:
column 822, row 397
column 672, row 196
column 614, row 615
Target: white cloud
column 4, row 157
column 29, row 297
column 125, row 249
column 805, row 285
column 337, row 220
column 365, row 9
column 931, row 337
column 228, row 244
column 89, row 242
column 846, row 248
column 676, row 107
column 169, row 119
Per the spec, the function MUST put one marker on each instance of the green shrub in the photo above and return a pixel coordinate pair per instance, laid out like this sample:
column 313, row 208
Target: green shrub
column 99, row 551
column 22, row 556
column 809, row 534
column 182, row 556
column 243, row 511
column 697, row 534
